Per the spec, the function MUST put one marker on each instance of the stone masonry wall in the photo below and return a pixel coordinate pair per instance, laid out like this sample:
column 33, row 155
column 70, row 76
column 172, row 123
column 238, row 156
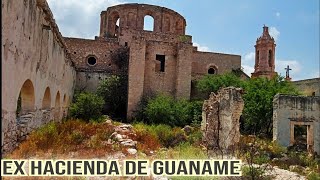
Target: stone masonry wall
column 309, row 87
column 220, row 119
column 35, row 63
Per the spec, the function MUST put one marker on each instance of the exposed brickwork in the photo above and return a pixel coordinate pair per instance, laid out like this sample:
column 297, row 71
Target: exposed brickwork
column 265, row 55
column 182, row 61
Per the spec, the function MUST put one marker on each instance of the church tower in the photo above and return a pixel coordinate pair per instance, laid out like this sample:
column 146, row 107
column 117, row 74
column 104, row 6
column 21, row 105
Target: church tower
column 265, row 55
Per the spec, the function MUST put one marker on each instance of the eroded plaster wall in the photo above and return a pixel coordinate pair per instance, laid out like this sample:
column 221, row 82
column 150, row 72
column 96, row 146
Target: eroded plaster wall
column 289, row 110
column 34, row 58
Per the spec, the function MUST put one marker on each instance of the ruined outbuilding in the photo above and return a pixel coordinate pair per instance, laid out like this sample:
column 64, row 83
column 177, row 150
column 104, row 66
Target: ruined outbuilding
column 291, row 111
column 220, row 119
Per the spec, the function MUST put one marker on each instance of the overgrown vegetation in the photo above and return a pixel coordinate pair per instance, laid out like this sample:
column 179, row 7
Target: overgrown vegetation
column 168, row 136
column 261, row 154
column 163, row 109
column 258, row 97
column 114, row 92
column 65, row 137
column 87, row 106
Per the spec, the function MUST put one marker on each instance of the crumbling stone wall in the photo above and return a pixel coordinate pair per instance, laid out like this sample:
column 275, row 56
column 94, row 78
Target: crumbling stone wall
column 290, row 111
column 35, row 67
column 220, row 119
column 309, row 87
column 88, row 75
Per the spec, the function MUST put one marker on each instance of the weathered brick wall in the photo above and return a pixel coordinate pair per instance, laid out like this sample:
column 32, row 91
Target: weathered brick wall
column 289, row 110
column 136, row 72
column 102, row 50
column 34, row 58
column 156, row 81
column 132, row 16
column 308, row 87
column 202, row 61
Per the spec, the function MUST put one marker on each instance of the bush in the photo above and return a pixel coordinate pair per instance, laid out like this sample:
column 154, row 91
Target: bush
column 166, row 135
column 114, row 92
column 87, row 106
column 165, row 110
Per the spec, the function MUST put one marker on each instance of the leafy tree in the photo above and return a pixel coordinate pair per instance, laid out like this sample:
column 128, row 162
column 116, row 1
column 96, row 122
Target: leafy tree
column 258, row 108
column 258, row 97
column 114, row 92
column 212, row 83
column 87, row 106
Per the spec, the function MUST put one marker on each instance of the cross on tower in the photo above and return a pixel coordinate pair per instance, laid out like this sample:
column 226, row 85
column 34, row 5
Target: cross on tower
column 287, row 72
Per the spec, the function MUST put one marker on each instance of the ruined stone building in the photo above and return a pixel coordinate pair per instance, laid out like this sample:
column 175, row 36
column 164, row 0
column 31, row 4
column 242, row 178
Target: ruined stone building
column 41, row 69
column 163, row 60
column 290, row 112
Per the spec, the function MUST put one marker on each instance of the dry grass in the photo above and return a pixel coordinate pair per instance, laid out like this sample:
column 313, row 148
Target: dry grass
column 65, row 138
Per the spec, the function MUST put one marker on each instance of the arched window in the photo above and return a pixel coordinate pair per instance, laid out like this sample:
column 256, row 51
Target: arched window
column 46, row 102
column 117, row 28
column 26, row 99
column 270, row 58
column 64, row 100
column 257, row 56
column 211, row 70
column 148, row 23
column 57, row 103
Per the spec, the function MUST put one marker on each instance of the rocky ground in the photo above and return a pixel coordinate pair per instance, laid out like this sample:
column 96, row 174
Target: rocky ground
column 123, row 136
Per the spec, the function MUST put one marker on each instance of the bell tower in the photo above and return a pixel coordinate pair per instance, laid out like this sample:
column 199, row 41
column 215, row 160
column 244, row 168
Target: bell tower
column 265, row 55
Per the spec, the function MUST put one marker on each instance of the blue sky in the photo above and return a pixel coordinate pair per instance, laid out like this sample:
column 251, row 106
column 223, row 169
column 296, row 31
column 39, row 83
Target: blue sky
column 224, row 26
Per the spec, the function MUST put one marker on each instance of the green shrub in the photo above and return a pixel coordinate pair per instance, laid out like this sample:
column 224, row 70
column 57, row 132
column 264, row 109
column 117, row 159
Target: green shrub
column 164, row 109
column 313, row 176
column 114, row 92
column 87, row 106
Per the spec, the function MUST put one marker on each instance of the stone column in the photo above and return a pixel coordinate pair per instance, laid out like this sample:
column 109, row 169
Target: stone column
column 220, row 120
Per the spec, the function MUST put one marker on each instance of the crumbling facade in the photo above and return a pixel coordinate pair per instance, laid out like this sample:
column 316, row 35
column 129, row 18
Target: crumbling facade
column 37, row 73
column 290, row 111
column 265, row 56
column 309, row 87
column 163, row 60
column 220, row 120
column 41, row 69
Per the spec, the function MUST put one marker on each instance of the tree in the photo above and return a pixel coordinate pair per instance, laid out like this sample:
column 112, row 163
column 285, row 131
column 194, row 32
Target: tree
column 258, row 97
column 258, row 107
column 114, row 92
column 87, row 106
column 212, row 83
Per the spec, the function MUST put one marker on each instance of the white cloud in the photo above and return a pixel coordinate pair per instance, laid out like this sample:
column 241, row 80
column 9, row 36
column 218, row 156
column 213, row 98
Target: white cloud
column 249, row 57
column 293, row 64
column 274, row 33
column 201, row 48
column 248, row 69
column 277, row 14
column 79, row 18
column 247, row 63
